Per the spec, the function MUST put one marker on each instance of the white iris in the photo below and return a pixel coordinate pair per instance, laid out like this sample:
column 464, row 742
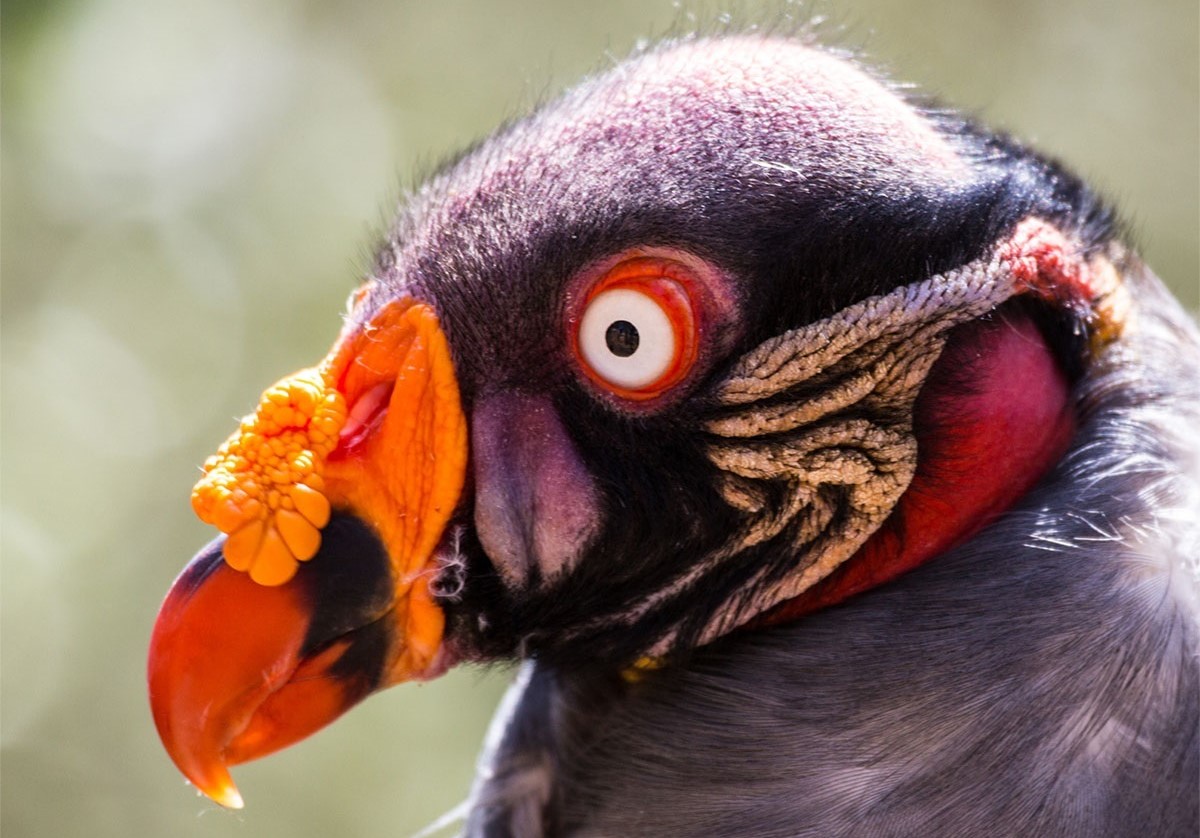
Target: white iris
column 655, row 338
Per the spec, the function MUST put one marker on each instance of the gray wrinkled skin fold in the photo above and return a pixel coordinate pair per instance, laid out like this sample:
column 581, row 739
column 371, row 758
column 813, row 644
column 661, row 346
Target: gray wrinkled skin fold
column 845, row 449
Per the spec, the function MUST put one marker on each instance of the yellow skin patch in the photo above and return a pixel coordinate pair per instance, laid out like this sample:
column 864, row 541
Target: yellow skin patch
column 389, row 388
column 264, row 487
column 640, row 668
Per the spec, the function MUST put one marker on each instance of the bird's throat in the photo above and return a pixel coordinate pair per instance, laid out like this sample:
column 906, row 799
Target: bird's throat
column 993, row 418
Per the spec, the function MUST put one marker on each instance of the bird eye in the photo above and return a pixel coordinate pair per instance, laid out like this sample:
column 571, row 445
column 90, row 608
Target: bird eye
column 637, row 333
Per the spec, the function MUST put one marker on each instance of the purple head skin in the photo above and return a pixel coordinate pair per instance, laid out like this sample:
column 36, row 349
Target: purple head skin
column 790, row 180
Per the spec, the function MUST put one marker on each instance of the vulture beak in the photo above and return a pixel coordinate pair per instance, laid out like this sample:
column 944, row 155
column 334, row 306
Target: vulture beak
column 334, row 496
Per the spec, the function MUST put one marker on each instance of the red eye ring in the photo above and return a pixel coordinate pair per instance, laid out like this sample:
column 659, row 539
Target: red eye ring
column 636, row 333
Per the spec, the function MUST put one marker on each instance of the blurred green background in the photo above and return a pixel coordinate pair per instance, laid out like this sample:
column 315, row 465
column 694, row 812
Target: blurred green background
column 190, row 189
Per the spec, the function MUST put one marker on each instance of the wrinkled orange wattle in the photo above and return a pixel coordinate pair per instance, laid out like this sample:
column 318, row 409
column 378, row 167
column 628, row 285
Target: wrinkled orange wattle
column 376, row 428
column 402, row 457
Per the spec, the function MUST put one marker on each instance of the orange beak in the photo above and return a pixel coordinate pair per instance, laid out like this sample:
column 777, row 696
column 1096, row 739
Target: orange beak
column 334, row 496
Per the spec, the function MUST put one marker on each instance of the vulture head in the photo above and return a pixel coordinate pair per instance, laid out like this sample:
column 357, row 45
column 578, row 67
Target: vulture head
column 728, row 335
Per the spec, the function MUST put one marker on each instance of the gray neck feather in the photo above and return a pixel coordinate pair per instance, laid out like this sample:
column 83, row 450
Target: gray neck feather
column 1038, row 680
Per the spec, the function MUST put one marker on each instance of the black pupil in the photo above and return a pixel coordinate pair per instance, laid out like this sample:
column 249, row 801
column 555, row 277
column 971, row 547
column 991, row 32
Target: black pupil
column 622, row 338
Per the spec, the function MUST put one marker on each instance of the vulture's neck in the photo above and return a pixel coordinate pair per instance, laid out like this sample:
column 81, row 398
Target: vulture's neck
column 995, row 415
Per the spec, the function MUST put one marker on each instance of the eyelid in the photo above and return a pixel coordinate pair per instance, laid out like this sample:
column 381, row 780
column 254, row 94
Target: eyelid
column 665, row 283
column 714, row 294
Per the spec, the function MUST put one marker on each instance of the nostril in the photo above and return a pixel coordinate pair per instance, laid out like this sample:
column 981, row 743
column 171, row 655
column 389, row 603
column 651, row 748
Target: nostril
column 364, row 414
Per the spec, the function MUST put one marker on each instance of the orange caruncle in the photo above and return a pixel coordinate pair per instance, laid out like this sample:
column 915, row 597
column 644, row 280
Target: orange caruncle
column 264, row 486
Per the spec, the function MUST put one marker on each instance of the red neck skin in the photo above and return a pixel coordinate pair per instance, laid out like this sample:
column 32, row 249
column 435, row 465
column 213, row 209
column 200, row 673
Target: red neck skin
column 993, row 417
